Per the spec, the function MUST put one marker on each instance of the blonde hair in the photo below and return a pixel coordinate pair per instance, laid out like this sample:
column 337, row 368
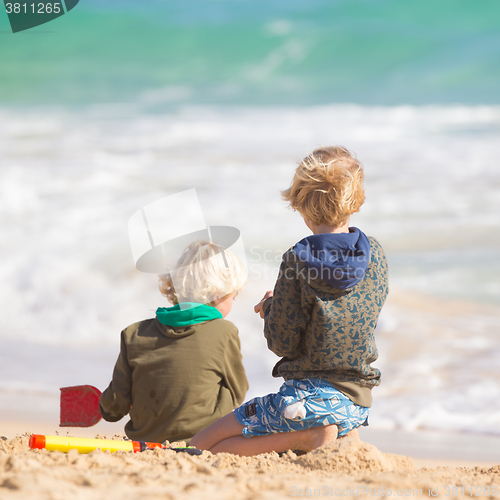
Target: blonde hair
column 203, row 270
column 327, row 186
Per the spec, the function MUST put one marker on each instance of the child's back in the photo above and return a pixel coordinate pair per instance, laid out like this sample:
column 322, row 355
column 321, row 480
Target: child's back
column 182, row 370
column 323, row 313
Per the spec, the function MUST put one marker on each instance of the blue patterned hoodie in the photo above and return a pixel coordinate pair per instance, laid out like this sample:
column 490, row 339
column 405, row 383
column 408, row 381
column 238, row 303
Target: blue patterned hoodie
column 321, row 318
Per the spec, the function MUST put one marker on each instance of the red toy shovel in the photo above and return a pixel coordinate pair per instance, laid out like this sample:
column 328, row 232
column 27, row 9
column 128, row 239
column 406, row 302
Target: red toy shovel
column 80, row 406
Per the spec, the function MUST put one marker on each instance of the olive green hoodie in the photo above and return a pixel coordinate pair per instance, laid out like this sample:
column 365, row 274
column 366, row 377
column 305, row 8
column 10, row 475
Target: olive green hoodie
column 176, row 374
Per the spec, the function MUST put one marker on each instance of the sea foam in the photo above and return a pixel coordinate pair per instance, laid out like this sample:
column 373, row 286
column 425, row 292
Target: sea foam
column 69, row 181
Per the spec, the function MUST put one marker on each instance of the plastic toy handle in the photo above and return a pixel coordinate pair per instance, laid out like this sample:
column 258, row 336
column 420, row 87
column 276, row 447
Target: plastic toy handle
column 83, row 445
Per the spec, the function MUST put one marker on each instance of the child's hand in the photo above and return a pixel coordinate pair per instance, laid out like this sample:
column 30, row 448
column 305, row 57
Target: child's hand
column 258, row 308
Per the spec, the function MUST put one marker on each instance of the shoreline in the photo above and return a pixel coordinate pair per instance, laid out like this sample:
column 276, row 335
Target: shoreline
column 11, row 429
column 437, row 448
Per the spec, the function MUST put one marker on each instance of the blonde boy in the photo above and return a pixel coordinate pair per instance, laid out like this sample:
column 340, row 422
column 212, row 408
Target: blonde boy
column 319, row 319
column 182, row 370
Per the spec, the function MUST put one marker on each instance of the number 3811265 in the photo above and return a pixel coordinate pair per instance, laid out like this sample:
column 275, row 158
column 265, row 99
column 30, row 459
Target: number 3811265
column 33, row 8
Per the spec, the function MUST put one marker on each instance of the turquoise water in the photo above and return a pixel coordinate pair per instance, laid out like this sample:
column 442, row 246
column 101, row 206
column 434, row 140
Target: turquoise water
column 382, row 52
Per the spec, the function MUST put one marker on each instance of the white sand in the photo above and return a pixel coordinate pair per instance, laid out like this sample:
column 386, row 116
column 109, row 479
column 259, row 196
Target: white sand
column 347, row 467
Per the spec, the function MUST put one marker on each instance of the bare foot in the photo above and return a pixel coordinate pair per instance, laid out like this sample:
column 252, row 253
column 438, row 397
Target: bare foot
column 315, row 437
column 354, row 434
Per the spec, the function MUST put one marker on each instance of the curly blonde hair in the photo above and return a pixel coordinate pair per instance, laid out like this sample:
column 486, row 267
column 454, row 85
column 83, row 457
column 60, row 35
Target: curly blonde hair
column 327, row 186
column 204, row 270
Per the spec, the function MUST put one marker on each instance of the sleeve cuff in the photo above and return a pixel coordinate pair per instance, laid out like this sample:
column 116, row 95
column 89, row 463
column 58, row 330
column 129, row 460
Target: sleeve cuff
column 267, row 305
column 107, row 416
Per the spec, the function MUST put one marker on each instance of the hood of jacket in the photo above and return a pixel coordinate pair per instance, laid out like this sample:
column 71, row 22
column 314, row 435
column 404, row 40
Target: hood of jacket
column 179, row 322
column 339, row 259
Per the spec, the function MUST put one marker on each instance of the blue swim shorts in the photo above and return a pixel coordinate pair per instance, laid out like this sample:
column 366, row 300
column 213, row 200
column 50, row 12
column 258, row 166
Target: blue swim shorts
column 299, row 405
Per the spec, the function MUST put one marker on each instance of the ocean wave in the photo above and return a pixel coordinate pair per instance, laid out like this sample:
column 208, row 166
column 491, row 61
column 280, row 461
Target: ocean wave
column 70, row 179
